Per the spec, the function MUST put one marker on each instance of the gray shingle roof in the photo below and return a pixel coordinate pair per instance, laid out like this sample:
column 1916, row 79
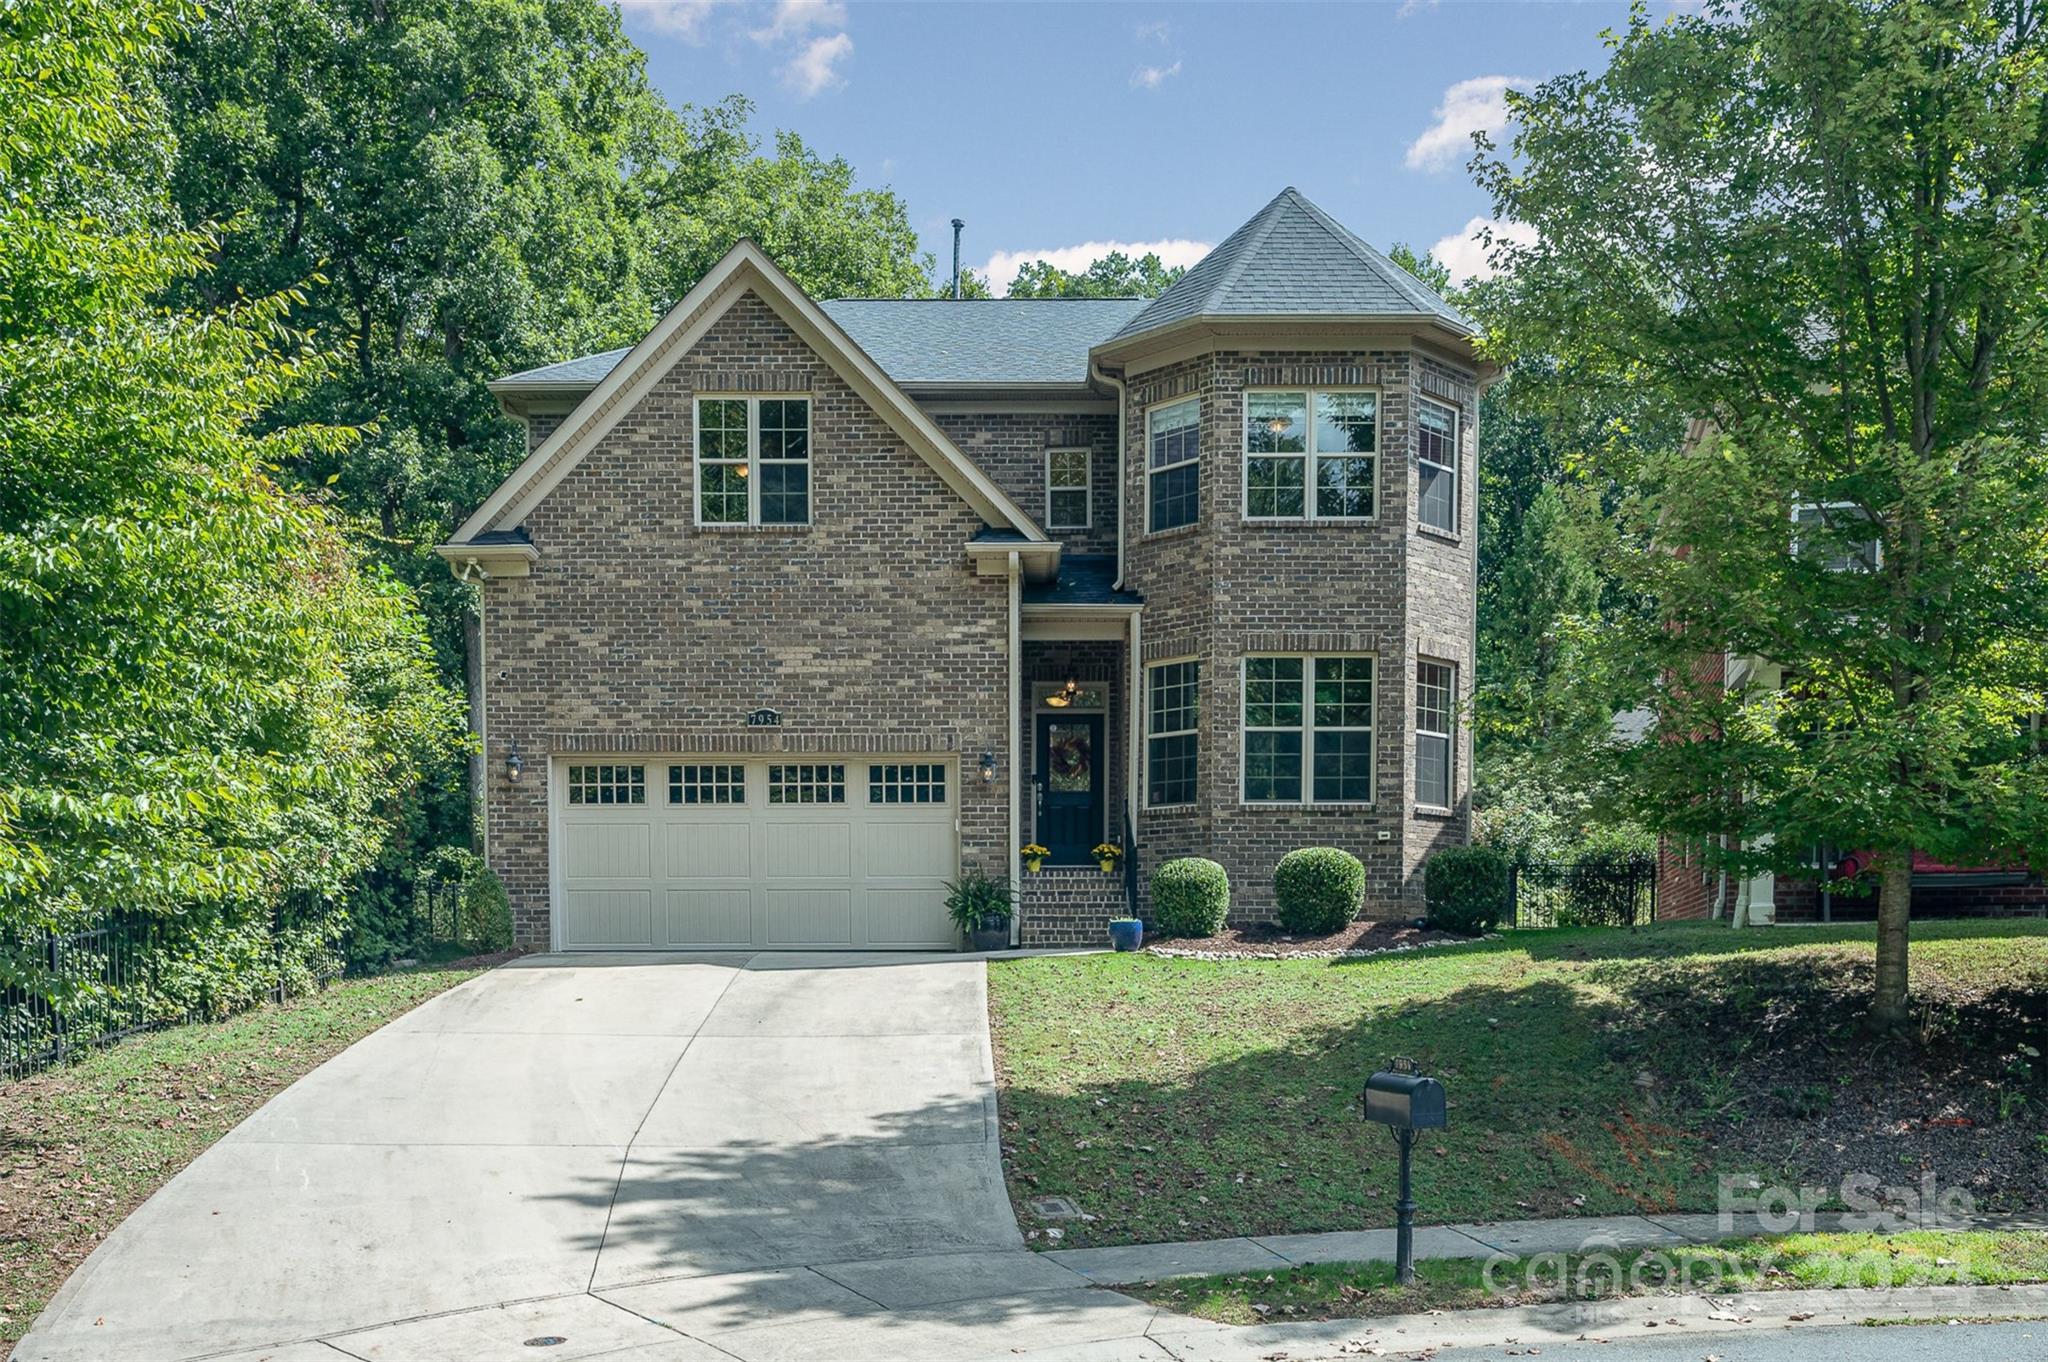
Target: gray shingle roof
column 994, row 341
column 985, row 340
column 1293, row 258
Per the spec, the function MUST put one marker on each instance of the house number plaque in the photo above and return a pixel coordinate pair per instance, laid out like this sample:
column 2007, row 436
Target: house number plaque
column 764, row 718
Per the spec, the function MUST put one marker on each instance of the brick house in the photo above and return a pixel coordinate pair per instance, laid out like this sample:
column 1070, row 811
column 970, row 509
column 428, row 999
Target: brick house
column 796, row 609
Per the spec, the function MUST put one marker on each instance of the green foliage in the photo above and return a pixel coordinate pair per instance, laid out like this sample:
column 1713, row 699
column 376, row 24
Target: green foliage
column 461, row 189
column 1319, row 889
column 1467, row 889
column 1115, row 275
column 216, row 713
column 1817, row 226
column 1190, row 897
column 978, row 901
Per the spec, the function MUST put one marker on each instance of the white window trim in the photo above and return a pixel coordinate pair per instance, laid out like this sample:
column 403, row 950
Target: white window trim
column 1087, row 488
column 753, row 460
column 1876, row 538
column 1145, row 763
column 1308, row 459
column 1308, row 798
column 1450, row 736
column 1457, row 456
column 1151, row 415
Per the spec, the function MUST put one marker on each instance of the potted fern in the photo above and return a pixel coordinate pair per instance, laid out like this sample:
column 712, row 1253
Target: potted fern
column 981, row 906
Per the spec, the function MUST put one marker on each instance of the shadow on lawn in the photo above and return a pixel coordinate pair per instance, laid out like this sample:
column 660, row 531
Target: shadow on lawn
column 1626, row 1086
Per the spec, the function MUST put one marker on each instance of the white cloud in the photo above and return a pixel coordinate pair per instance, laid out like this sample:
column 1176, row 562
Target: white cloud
column 1464, row 254
column 815, row 69
column 796, row 18
column 1476, row 105
column 679, row 18
column 1157, row 31
column 1152, row 77
column 1003, row 265
column 1409, row 7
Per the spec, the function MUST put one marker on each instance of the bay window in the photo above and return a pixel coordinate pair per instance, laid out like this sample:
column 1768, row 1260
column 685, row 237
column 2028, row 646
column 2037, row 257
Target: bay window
column 1436, row 463
column 1307, row 729
column 1172, row 717
column 1436, row 700
column 1310, row 454
column 1173, row 465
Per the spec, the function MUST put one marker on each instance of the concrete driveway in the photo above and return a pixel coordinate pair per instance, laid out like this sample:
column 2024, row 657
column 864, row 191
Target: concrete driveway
column 654, row 1158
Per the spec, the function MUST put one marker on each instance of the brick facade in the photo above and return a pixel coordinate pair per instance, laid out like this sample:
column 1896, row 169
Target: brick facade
column 1226, row 587
column 1012, row 447
column 640, row 632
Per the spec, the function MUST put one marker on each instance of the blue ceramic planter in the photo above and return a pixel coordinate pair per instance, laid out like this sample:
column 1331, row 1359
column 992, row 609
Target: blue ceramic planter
column 1126, row 933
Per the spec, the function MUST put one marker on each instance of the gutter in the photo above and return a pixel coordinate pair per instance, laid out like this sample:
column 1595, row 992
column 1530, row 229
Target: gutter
column 1122, row 494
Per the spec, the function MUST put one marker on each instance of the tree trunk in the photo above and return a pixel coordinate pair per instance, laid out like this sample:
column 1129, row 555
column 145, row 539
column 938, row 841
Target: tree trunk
column 1894, row 911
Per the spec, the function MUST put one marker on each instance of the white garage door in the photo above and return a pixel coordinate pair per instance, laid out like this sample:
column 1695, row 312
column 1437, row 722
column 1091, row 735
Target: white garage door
column 827, row 852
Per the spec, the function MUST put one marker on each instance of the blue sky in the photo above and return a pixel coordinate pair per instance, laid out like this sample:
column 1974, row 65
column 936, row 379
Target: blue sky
column 1056, row 129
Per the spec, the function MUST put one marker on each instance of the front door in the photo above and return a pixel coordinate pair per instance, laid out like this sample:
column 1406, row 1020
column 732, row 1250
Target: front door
column 1070, row 786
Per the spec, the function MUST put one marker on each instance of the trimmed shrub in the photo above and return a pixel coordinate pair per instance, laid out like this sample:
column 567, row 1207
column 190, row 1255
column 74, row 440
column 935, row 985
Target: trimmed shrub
column 1190, row 897
column 1319, row 889
column 1467, row 889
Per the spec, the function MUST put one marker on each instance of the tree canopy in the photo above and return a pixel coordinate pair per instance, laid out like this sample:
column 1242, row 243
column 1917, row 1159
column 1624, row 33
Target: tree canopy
column 1814, row 227
column 1115, row 275
column 210, row 706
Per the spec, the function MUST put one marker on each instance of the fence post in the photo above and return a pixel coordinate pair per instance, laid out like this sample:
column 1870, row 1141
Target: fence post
column 1515, row 892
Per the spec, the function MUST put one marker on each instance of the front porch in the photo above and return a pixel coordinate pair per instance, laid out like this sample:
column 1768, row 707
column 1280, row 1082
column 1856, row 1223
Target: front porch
column 1077, row 719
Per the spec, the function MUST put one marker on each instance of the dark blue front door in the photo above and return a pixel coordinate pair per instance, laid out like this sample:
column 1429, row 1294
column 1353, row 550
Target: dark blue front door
column 1070, row 786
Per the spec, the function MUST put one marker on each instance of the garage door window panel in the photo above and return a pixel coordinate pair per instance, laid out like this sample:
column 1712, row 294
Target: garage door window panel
column 807, row 783
column 607, row 784
column 911, row 784
column 719, row 784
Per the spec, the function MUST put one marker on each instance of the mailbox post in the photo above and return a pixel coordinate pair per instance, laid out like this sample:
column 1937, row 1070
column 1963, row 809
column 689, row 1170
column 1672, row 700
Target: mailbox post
column 1405, row 1101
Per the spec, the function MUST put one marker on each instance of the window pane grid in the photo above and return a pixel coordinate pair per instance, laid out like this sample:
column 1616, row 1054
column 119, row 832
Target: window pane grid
column 1436, row 453
column 1436, row 686
column 1311, row 453
column 1174, row 460
column 720, row 784
column 807, row 784
column 607, row 784
column 753, row 461
column 1172, row 748
column 919, row 784
column 1307, row 724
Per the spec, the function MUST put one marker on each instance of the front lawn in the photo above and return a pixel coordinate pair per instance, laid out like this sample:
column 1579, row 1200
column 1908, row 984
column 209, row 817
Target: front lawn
column 1766, row 1263
column 1589, row 1071
column 82, row 1146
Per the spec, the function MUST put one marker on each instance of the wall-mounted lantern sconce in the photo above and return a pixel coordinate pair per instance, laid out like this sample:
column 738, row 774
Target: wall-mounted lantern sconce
column 513, row 765
column 988, row 766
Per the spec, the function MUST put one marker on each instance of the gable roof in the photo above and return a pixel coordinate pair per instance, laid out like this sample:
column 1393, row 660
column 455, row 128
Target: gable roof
column 744, row 269
column 985, row 342
column 1293, row 259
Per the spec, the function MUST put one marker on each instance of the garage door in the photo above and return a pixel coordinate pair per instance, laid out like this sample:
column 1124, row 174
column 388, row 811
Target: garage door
column 828, row 852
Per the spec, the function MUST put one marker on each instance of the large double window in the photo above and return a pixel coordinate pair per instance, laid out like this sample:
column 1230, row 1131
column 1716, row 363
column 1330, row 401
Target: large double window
column 1310, row 454
column 1172, row 718
column 753, row 460
column 1436, row 465
column 1308, row 729
column 1173, row 465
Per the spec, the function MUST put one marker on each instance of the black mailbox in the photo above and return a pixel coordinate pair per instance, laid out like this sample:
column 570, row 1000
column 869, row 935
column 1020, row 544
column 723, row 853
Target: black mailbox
column 1405, row 1101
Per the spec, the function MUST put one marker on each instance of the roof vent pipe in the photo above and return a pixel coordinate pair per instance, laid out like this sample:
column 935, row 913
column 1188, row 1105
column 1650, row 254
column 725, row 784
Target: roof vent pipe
column 957, row 225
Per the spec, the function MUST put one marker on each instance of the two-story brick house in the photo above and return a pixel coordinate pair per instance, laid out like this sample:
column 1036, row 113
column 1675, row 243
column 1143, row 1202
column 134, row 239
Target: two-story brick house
column 795, row 608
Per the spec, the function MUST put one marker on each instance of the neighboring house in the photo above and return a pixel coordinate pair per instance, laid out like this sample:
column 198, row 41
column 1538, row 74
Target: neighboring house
column 797, row 609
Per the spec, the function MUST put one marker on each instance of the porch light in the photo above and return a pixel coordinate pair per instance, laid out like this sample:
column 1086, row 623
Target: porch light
column 1059, row 699
column 513, row 765
column 988, row 766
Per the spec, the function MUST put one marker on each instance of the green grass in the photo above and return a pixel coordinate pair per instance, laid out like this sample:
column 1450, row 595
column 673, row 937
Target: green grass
column 1189, row 1099
column 1766, row 1263
column 82, row 1146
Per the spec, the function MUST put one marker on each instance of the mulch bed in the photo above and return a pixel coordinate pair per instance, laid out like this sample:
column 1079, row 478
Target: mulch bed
column 1266, row 941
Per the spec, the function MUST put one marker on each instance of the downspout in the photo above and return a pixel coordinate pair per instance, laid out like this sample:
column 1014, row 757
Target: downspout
column 1134, row 721
column 1010, row 744
column 1122, row 494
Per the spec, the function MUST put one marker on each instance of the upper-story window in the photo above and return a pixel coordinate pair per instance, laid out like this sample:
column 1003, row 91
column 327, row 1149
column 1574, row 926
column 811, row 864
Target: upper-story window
column 1436, row 462
column 1841, row 531
column 753, row 461
column 1296, row 467
column 1066, row 489
column 1173, row 465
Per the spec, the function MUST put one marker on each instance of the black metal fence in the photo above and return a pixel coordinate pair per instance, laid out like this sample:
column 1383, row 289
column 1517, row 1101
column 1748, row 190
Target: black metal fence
column 73, row 992
column 1594, row 890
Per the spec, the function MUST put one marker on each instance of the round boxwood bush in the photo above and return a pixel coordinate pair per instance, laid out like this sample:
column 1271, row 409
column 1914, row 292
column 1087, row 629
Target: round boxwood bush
column 1190, row 897
column 1467, row 889
column 1319, row 889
